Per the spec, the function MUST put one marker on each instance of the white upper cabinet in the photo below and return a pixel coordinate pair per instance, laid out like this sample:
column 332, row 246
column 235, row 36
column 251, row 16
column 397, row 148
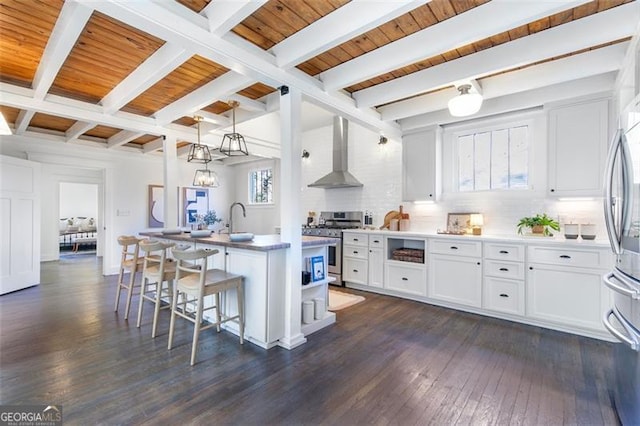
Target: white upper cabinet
column 578, row 137
column 421, row 165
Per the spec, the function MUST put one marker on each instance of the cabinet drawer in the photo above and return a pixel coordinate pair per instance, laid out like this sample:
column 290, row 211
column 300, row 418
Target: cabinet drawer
column 406, row 280
column 376, row 241
column 357, row 252
column 354, row 239
column 586, row 258
column 355, row 271
column 498, row 251
column 511, row 270
column 504, row 295
column 456, row 247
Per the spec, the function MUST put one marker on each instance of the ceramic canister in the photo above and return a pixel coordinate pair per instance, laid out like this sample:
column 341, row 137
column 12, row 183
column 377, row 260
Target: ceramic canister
column 571, row 231
column 588, row 231
column 307, row 311
column 318, row 304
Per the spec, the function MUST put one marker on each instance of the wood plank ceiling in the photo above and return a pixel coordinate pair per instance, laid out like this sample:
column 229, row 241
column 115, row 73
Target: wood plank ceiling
column 102, row 68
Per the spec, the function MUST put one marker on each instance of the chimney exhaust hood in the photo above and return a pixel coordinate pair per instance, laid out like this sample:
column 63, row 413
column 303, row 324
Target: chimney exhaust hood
column 340, row 176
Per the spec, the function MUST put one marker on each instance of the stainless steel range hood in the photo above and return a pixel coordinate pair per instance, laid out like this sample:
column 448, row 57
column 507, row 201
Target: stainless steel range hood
column 340, row 176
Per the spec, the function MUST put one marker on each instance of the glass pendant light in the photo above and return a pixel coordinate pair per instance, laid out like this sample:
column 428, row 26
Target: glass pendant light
column 206, row 178
column 465, row 103
column 199, row 153
column 233, row 143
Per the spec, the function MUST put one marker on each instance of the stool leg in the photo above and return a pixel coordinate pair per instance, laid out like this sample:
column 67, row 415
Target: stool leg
column 196, row 330
column 143, row 289
column 240, row 297
column 218, row 314
column 172, row 322
column 132, row 279
column 118, row 288
column 156, row 309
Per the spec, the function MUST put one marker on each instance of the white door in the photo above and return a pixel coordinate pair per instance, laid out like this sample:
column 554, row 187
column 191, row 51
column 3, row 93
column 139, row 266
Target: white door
column 19, row 224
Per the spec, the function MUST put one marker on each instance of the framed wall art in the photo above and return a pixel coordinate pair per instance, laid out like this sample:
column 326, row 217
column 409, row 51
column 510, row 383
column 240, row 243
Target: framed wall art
column 195, row 201
column 156, row 206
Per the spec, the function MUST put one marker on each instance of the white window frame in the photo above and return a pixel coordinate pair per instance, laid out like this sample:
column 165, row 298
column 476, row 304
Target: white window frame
column 250, row 194
column 486, row 126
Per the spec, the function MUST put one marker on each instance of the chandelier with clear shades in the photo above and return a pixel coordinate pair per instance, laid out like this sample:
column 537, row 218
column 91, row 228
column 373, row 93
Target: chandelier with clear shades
column 233, row 143
column 199, row 153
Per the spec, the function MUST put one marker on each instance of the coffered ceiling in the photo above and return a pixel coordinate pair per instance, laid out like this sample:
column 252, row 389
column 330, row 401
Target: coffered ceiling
column 120, row 74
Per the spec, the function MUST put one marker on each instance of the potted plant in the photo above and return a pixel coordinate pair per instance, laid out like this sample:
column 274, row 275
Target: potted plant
column 210, row 218
column 539, row 224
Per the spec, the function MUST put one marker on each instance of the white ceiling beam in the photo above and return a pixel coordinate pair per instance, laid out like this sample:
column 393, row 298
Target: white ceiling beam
column 217, row 119
column 20, row 97
column 154, row 145
column 22, row 121
column 122, row 138
column 153, row 69
column 71, row 21
column 476, row 24
column 248, row 104
column 78, row 128
column 587, row 64
column 613, row 24
column 222, row 86
column 224, row 15
column 354, row 18
column 147, row 16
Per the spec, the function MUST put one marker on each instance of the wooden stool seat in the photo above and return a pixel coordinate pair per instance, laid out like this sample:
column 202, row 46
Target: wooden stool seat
column 194, row 282
column 130, row 262
column 157, row 269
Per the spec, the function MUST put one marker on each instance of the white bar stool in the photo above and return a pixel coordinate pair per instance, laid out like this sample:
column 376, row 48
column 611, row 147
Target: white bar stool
column 157, row 270
column 194, row 282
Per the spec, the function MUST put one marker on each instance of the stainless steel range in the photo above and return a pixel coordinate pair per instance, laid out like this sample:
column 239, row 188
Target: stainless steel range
column 331, row 224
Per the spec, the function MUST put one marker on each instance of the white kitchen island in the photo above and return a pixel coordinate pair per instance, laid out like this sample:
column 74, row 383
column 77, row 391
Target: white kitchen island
column 262, row 263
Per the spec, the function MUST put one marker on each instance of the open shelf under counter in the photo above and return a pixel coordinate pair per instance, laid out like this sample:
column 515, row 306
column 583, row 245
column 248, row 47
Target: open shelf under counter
column 319, row 283
column 329, row 318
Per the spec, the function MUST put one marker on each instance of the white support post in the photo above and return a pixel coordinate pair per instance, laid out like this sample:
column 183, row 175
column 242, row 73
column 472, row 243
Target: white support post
column 290, row 170
column 170, row 181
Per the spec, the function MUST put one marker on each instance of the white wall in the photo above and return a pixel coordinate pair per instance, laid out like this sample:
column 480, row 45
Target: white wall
column 380, row 170
column 78, row 200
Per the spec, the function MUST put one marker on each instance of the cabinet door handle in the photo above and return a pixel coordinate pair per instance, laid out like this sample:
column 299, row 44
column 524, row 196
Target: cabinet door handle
column 355, row 239
column 376, row 241
column 405, row 279
column 504, row 252
column 531, row 268
column 453, row 248
column 355, row 270
column 504, row 295
column 504, row 269
column 355, row 252
column 565, row 256
column 478, row 263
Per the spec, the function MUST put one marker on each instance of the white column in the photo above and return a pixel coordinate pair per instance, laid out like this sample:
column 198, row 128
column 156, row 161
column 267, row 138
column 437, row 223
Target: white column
column 170, row 181
column 290, row 178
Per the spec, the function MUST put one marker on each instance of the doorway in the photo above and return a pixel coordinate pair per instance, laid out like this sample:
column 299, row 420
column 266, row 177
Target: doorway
column 78, row 218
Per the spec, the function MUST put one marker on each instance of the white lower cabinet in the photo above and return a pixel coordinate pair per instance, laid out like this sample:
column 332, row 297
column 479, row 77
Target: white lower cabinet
column 456, row 279
column 376, row 267
column 355, row 270
column 406, row 277
column 567, row 296
column 504, row 295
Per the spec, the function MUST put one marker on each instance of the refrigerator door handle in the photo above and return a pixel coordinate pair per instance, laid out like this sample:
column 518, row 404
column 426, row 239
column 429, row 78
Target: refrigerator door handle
column 627, row 190
column 609, row 200
column 629, row 338
column 627, row 290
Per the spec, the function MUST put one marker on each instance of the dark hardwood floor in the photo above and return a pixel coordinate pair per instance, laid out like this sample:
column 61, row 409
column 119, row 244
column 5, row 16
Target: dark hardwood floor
column 386, row 361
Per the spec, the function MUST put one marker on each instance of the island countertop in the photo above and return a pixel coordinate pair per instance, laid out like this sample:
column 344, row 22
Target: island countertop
column 259, row 242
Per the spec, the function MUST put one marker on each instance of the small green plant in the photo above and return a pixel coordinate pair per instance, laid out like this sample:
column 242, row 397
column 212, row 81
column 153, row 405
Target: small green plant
column 210, row 218
column 540, row 223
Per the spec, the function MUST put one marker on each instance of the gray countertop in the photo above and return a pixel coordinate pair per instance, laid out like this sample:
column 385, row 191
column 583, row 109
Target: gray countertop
column 259, row 242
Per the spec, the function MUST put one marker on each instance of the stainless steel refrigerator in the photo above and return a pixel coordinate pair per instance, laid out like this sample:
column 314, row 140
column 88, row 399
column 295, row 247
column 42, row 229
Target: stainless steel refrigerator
column 622, row 216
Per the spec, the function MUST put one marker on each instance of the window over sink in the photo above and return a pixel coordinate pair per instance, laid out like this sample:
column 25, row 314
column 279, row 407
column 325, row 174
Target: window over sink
column 261, row 186
column 493, row 158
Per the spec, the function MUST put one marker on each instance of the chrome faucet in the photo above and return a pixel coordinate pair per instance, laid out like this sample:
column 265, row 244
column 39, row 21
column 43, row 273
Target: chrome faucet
column 244, row 214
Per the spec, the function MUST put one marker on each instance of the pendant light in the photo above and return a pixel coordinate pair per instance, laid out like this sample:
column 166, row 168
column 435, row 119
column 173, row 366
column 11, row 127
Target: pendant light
column 199, row 153
column 233, row 143
column 465, row 103
column 206, row 178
